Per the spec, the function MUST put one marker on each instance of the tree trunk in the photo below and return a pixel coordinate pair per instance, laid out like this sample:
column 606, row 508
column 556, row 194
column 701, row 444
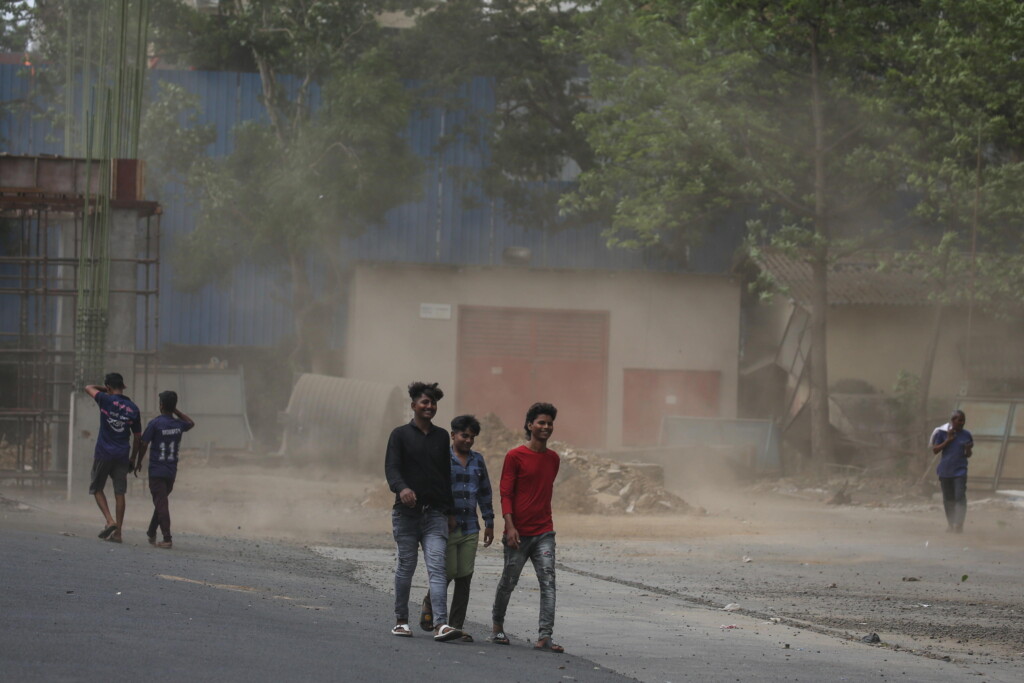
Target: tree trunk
column 925, row 385
column 312, row 319
column 821, row 428
column 821, row 435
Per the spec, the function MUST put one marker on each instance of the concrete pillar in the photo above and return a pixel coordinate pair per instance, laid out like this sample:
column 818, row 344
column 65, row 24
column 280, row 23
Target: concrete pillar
column 83, row 427
column 122, row 307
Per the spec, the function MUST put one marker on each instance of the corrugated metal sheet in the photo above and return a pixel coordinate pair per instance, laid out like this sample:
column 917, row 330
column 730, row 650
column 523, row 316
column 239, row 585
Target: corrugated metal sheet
column 252, row 309
column 853, row 280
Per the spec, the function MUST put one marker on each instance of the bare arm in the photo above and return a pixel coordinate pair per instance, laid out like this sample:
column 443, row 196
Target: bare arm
column 182, row 416
column 139, row 448
column 950, row 435
column 93, row 389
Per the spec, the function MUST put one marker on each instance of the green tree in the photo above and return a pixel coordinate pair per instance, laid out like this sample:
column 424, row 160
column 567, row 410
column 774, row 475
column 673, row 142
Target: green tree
column 774, row 108
column 297, row 183
column 15, row 30
column 959, row 78
column 529, row 49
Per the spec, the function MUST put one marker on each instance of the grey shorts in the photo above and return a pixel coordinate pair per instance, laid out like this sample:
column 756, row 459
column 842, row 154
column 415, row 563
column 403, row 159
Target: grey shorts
column 115, row 469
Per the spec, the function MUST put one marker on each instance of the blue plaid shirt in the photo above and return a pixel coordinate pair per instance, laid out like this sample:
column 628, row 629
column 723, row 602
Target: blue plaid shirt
column 470, row 487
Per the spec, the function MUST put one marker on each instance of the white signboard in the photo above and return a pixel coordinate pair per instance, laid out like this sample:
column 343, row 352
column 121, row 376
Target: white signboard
column 436, row 311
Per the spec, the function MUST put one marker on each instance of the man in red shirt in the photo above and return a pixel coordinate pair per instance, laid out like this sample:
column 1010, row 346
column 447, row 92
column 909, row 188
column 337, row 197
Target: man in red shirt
column 527, row 480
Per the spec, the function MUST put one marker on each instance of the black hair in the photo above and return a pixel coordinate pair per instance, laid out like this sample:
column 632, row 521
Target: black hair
column 538, row 409
column 168, row 401
column 114, row 380
column 958, row 412
column 466, row 423
column 417, row 389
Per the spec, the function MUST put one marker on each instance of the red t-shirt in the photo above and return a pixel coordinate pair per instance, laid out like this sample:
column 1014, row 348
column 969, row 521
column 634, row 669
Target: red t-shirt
column 527, row 480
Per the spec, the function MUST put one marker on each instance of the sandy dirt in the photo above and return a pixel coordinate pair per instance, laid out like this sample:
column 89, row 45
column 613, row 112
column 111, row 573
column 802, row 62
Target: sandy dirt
column 775, row 551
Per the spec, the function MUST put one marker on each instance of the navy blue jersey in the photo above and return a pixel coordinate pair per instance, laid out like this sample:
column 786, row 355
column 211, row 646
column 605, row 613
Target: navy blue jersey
column 163, row 434
column 119, row 419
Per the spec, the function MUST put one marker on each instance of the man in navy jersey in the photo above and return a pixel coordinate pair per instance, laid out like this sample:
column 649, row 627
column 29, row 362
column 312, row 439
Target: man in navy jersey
column 163, row 438
column 119, row 421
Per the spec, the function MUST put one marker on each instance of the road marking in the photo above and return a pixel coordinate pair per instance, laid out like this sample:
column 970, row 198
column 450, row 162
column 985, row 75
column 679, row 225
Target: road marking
column 232, row 587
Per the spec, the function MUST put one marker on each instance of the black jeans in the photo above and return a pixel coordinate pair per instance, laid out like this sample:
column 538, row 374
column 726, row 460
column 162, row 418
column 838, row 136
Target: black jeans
column 954, row 500
column 160, row 487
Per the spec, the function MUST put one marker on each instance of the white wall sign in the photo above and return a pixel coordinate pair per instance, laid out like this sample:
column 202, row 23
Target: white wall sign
column 436, row 311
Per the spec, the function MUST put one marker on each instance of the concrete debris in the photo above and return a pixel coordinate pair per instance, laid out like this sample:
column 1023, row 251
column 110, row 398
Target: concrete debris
column 871, row 638
column 587, row 483
column 731, row 607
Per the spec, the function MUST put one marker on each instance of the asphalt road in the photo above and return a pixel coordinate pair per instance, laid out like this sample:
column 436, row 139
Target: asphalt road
column 74, row 608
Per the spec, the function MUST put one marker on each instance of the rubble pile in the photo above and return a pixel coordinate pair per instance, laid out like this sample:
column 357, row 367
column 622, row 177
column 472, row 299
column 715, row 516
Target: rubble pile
column 586, row 484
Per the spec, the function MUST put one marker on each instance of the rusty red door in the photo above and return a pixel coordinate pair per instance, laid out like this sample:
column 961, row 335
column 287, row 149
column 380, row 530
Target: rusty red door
column 649, row 395
column 510, row 358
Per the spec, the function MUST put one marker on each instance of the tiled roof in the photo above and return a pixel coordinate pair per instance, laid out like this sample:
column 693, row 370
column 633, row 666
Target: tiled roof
column 853, row 280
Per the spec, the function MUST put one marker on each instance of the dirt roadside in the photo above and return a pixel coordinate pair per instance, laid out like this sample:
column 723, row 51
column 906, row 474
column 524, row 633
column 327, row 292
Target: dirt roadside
column 776, row 554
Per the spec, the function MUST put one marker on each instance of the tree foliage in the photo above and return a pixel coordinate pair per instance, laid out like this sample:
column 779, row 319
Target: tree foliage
column 528, row 48
column 329, row 161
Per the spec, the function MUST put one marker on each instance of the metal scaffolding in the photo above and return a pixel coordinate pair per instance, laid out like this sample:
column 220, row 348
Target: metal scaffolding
column 44, row 222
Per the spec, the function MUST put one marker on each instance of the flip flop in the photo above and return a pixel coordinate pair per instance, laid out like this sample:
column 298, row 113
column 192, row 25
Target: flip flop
column 426, row 615
column 549, row 645
column 401, row 630
column 466, row 638
column 113, row 538
column 446, row 633
column 499, row 638
column 108, row 530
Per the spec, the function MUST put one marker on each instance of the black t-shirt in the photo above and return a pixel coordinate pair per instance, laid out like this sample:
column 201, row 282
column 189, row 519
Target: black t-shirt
column 421, row 462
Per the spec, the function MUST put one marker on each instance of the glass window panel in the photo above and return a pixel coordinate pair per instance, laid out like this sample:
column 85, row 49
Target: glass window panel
column 984, row 459
column 985, row 418
column 1013, row 463
column 1018, row 420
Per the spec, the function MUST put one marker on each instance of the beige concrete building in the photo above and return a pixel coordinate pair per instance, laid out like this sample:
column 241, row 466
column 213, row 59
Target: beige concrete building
column 614, row 351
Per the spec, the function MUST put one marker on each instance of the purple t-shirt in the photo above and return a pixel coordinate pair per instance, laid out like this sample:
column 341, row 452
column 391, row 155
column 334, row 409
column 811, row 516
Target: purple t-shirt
column 119, row 419
column 163, row 434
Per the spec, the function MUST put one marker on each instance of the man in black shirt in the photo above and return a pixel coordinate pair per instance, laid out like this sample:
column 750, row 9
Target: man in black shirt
column 418, row 470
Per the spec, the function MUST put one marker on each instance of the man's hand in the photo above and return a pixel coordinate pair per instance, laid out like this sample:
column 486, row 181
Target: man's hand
column 408, row 497
column 511, row 537
column 451, row 523
column 488, row 536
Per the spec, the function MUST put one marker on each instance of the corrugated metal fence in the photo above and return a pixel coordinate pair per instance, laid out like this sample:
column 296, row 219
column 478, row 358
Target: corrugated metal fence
column 443, row 228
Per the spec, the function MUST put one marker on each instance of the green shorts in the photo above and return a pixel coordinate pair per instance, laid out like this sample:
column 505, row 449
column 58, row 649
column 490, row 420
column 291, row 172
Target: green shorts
column 461, row 556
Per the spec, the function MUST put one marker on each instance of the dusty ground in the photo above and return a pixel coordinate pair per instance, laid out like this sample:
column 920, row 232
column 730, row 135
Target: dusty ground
column 776, row 551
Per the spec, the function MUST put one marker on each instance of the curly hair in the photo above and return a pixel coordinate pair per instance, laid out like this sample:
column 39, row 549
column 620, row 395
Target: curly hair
column 417, row 389
column 538, row 409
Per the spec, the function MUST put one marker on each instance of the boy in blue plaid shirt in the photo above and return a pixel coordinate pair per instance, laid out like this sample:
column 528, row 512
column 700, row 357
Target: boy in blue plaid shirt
column 471, row 488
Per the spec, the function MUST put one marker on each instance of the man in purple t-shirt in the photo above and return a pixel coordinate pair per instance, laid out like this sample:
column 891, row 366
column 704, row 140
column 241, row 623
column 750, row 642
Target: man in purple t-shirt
column 163, row 438
column 119, row 422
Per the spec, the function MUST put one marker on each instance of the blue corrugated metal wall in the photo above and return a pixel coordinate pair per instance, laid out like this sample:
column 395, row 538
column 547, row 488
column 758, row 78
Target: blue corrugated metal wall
column 252, row 309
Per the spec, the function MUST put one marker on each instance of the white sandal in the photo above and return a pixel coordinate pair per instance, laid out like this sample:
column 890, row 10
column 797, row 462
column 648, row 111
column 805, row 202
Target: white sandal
column 446, row 632
column 402, row 630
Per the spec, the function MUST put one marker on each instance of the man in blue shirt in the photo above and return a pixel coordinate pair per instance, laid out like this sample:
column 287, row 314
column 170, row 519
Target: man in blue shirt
column 163, row 438
column 119, row 421
column 956, row 444
column 471, row 487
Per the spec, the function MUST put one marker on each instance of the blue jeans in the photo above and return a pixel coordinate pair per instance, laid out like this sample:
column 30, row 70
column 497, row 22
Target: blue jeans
column 541, row 551
column 954, row 500
column 429, row 529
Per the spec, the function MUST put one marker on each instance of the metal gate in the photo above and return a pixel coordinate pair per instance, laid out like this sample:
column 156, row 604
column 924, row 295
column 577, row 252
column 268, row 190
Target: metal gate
column 509, row 358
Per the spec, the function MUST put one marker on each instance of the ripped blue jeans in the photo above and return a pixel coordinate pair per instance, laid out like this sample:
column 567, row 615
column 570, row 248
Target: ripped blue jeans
column 541, row 551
